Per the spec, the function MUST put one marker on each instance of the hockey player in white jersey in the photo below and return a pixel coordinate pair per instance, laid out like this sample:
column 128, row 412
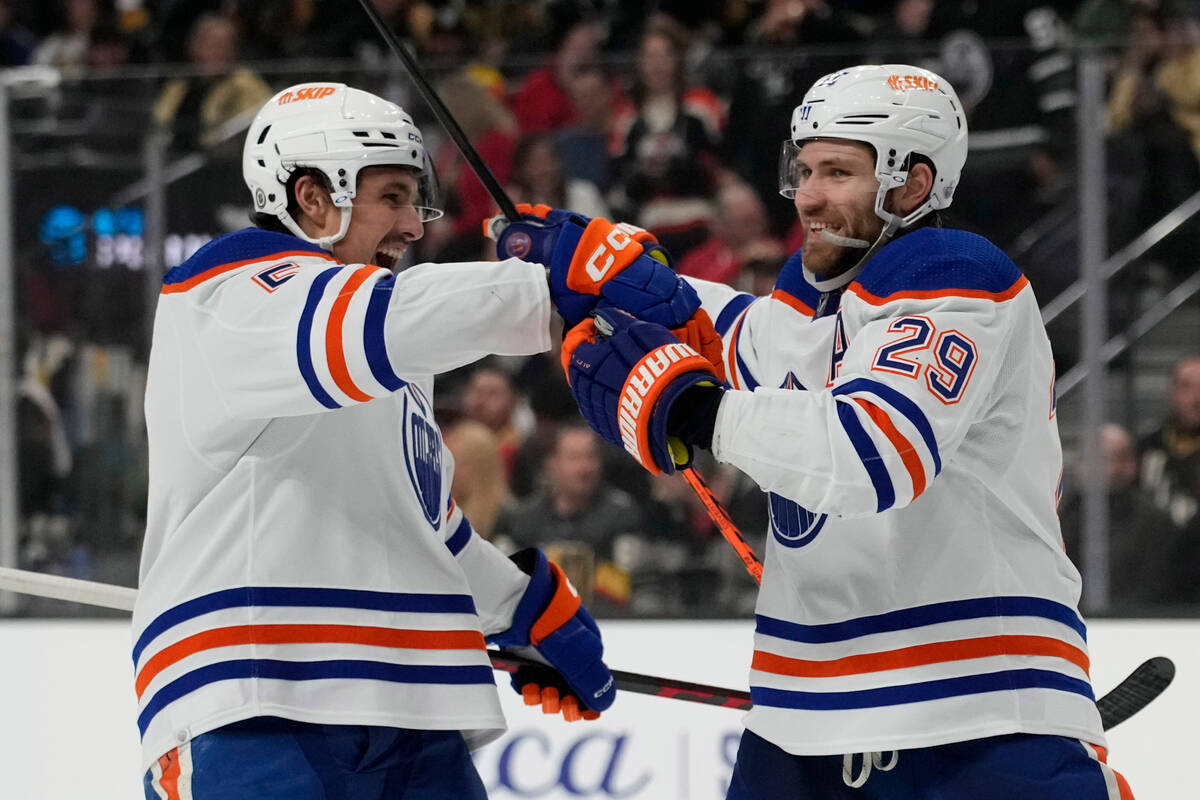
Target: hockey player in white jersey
column 313, row 609
column 917, row 632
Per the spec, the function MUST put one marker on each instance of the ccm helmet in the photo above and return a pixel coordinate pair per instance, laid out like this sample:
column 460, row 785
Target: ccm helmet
column 339, row 131
column 897, row 109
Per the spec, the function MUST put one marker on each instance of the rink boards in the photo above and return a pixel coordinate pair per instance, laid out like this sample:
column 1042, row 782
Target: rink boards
column 66, row 698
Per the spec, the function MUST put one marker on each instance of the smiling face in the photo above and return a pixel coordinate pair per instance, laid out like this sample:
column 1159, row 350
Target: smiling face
column 836, row 187
column 384, row 221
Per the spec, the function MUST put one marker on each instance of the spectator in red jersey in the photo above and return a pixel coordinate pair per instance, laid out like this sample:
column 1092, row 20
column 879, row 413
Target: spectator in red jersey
column 665, row 146
column 491, row 128
column 541, row 102
column 739, row 234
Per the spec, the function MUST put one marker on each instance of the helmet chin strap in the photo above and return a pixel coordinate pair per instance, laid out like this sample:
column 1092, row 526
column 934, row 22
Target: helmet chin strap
column 890, row 227
column 324, row 242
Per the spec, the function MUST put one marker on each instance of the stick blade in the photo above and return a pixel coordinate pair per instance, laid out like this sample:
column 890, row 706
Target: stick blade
column 1136, row 692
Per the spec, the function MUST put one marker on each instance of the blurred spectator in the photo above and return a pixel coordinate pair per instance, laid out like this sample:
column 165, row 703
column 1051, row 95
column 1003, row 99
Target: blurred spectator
column 538, row 176
column 1154, row 114
column 16, row 41
column 1137, row 529
column 575, row 505
column 1171, row 455
column 330, row 29
column 490, row 399
column 542, row 381
column 66, row 48
column 479, row 488
column 43, row 451
column 195, row 108
column 109, row 47
column 773, row 81
column 584, row 144
column 490, row 127
column 666, row 144
column 739, row 234
column 541, row 102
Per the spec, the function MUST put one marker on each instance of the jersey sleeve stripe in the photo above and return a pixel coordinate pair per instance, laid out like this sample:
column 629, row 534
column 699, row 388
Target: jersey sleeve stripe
column 918, row 616
column 172, row 287
column 302, row 596
column 306, row 634
column 335, row 351
column 731, row 311
column 460, row 537
column 272, row 669
column 735, row 362
column 869, row 455
column 901, row 403
column 908, row 454
column 1003, row 681
column 794, row 302
column 933, row 294
column 920, row 655
column 374, row 342
column 304, row 338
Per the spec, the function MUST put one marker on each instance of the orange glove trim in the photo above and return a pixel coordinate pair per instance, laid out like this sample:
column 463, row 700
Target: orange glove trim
column 603, row 251
column 562, row 606
column 646, row 381
column 583, row 332
column 699, row 334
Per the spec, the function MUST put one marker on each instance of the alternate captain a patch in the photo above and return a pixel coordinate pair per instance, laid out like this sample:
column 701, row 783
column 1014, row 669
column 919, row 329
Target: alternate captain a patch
column 276, row 275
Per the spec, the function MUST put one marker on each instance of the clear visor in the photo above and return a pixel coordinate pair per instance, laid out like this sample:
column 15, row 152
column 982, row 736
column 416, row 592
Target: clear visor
column 428, row 198
column 428, row 201
column 789, row 169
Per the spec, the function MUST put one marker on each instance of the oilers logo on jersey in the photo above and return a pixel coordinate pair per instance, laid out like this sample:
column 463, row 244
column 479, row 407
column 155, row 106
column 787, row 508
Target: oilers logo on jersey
column 422, row 454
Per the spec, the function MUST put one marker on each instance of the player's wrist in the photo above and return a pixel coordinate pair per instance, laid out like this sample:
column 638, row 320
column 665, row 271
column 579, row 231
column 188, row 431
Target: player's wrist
column 693, row 416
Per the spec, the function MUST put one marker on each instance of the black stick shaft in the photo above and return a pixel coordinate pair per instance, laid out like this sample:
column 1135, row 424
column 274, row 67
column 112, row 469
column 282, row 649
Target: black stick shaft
column 1130, row 696
column 647, row 684
column 444, row 116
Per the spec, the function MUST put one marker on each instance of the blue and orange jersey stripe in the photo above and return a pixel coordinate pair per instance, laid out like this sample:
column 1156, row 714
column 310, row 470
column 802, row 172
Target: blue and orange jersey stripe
column 794, row 302
column 221, row 269
column 921, row 655
column 934, row 263
column 235, row 250
column 933, row 294
column 301, row 596
column 306, row 634
column 335, row 352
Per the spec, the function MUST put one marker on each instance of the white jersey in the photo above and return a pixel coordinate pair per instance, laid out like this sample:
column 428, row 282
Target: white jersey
column 915, row 589
column 303, row 557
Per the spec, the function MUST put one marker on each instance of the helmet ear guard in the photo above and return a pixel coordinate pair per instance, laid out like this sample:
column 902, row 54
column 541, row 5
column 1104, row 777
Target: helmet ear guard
column 900, row 111
column 339, row 131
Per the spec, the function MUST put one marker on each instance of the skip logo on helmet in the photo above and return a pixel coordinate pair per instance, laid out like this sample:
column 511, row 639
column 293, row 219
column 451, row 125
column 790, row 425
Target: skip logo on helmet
column 307, row 93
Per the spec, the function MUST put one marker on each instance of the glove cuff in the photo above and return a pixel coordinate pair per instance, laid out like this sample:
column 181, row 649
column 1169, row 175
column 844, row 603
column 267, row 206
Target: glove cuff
column 693, row 415
column 649, row 390
column 533, row 562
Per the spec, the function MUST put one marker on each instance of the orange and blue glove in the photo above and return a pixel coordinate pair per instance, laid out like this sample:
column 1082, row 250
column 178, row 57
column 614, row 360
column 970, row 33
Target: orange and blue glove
column 642, row 389
column 550, row 619
column 594, row 259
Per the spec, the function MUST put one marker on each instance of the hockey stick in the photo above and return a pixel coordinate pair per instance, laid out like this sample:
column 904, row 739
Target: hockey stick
column 719, row 516
column 1129, row 697
column 443, row 114
column 726, row 525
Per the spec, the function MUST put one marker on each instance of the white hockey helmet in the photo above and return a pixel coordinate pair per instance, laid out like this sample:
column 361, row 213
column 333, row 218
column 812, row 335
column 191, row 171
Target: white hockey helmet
column 339, row 131
column 897, row 109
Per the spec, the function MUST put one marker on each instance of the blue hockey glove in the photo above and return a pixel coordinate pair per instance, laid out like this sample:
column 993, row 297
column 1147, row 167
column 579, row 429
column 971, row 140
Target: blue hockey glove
column 550, row 618
column 593, row 259
column 626, row 374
